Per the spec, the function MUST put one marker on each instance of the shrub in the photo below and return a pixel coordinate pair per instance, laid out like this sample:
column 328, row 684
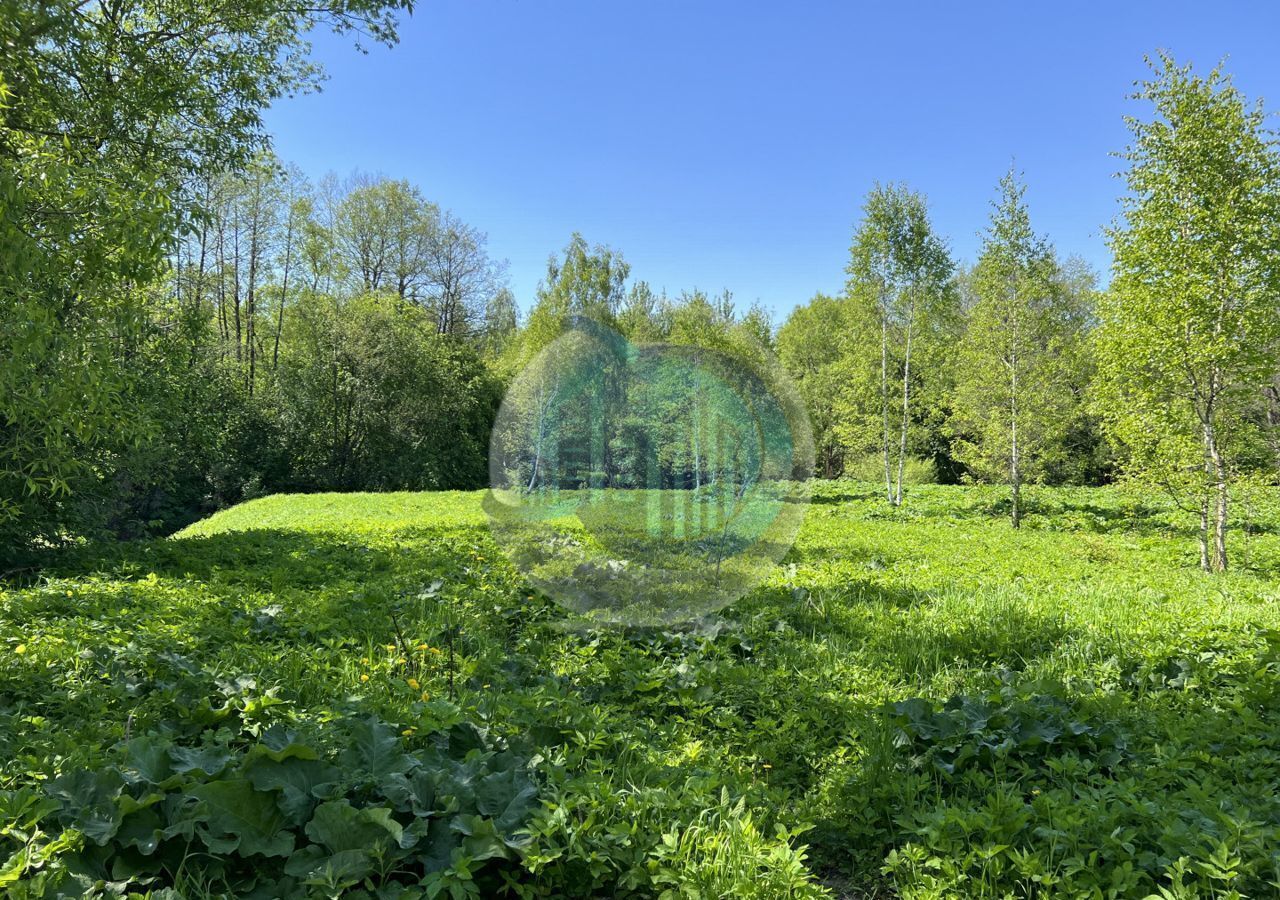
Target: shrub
column 870, row 467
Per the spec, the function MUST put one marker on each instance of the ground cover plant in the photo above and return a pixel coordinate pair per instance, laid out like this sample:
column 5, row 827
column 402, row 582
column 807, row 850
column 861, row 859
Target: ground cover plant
column 356, row 695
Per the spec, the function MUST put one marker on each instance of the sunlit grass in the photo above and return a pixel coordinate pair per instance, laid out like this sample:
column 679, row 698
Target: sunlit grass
column 403, row 605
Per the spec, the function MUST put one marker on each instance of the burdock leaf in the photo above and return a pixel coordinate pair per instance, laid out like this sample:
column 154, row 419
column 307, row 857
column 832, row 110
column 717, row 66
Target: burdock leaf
column 252, row 818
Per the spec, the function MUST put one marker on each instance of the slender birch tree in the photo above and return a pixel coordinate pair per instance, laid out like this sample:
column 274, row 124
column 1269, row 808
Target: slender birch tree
column 1189, row 326
column 902, row 269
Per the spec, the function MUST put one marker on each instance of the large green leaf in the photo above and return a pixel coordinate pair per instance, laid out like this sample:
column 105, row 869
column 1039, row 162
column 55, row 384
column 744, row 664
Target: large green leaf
column 340, row 826
column 143, row 830
column 480, row 838
column 206, row 761
column 296, row 779
column 374, row 750
column 233, row 810
column 341, row 870
column 279, row 744
column 147, row 760
column 415, row 792
column 507, row 797
column 89, row 802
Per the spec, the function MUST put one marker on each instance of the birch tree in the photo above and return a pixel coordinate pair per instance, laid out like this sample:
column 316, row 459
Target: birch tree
column 1191, row 319
column 902, row 270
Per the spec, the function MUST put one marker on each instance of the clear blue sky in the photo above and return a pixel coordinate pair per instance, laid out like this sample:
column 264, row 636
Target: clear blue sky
column 729, row 145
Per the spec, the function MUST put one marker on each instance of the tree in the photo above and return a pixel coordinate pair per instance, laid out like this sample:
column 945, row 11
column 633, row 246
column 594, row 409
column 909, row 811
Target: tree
column 461, row 277
column 589, row 281
column 1190, row 325
column 501, row 322
column 1023, row 329
column 901, row 271
column 369, row 397
column 108, row 113
column 645, row 316
column 811, row 348
column 385, row 230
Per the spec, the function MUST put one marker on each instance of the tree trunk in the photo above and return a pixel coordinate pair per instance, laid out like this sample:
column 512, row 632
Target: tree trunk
column 1204, row 533
column 1015, row 460
column 906, row 401
column 884, row 399
column 1217, row 470
column 284, row 292
column 235, row 288
column 251, row 308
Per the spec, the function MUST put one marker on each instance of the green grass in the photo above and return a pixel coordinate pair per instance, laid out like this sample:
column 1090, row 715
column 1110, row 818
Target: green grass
column 919, row 702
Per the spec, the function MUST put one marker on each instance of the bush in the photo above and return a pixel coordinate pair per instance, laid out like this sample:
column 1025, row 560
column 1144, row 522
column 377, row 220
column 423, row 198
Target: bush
column 870, row 467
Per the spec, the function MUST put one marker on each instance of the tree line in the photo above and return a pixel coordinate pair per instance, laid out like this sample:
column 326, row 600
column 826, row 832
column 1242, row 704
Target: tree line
column 979, row 373
column 185, row 322
column 1019, row 369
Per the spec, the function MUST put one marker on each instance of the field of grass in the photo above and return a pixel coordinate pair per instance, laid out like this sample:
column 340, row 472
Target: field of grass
column 356, row 695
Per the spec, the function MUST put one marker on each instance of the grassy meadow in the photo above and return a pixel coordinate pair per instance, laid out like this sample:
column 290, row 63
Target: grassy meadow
column 356, row 695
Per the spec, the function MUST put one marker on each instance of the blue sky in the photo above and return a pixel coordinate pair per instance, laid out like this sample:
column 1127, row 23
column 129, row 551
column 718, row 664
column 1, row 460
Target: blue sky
column 730, row 145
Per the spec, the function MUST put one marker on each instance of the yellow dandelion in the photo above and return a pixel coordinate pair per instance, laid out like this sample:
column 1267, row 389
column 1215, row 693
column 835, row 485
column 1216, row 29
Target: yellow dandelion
column 767, row 766
column 364, row 678
column 413, row 683
column 421, row 647
column 408, row 731
column 485, row 686
column 391, row 646
column 425, row 696
column 435, row 650
column 364, row 661
column 20, row 649
column 69, row 594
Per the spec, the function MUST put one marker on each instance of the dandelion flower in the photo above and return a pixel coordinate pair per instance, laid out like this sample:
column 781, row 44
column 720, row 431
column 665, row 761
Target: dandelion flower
column 20, row 649
column 364, row 678
column 413, row 683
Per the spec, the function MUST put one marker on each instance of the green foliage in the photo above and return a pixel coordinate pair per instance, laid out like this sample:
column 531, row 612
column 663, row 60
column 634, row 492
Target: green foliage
column 1190, row 323
column 902, row 307
column 1018, row 384
column 275, row 814
column 811, row 347
column 1067, row 709
column 588, row 281
column 106, row 114
column 869, row 468
column 723, row 854
column 362, row 383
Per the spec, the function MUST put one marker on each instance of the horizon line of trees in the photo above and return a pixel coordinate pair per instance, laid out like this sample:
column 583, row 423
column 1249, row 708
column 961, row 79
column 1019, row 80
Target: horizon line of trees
column 1018, row 369
column 185, row 322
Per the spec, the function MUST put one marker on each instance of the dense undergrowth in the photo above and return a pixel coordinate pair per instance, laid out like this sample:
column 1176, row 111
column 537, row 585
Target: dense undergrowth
column 355, row 695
